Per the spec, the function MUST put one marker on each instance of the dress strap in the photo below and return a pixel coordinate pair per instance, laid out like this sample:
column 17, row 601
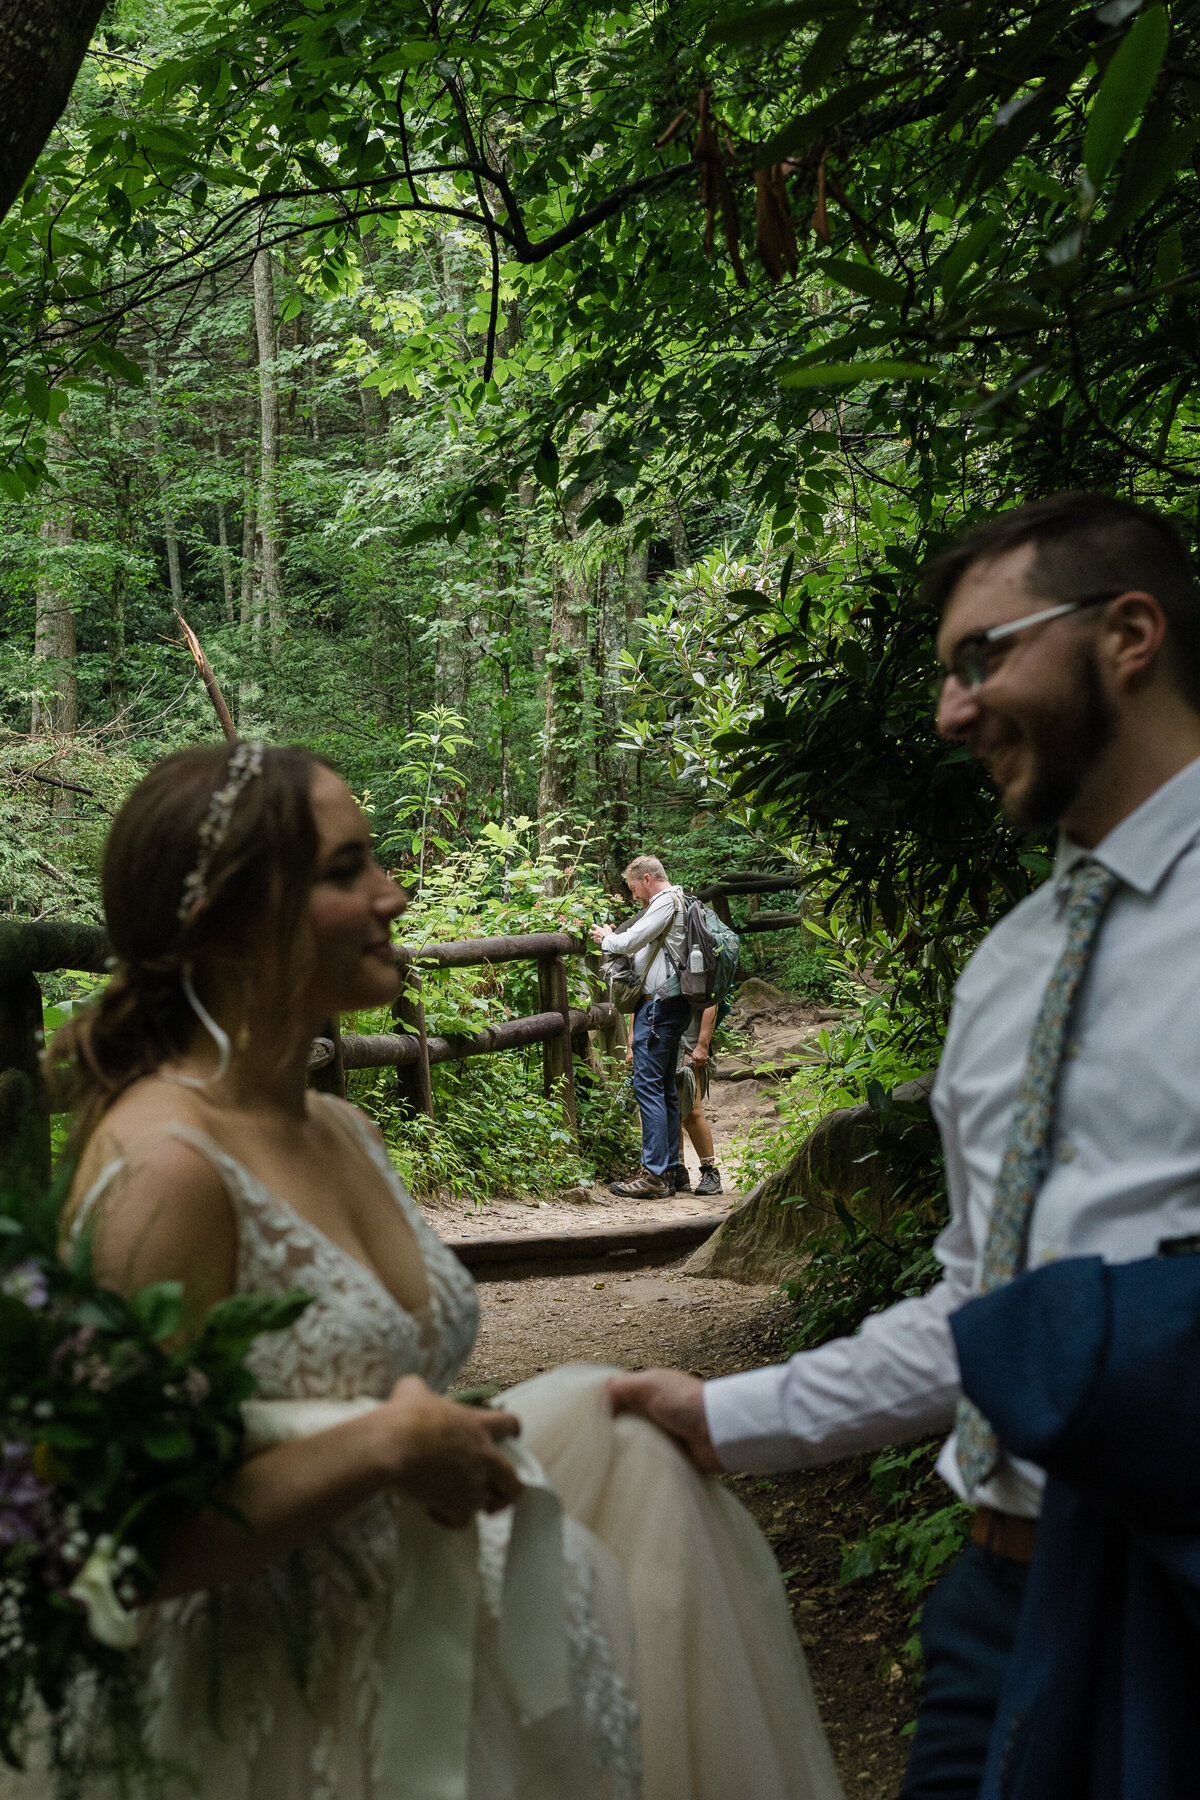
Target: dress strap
column 356, row 1127
column 86, row 1205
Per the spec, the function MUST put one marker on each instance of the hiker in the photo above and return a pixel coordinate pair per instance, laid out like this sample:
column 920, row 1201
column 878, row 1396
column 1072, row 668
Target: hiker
column 691, row 1082
column 692, row 1075
column 657, row 941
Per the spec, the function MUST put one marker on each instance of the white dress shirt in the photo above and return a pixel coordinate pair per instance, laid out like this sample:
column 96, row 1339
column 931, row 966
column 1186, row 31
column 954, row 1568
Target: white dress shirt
column 1125, row 1153
column 639, row 937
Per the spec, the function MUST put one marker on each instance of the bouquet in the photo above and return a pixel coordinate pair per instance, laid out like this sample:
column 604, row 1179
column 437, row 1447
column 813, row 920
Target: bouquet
column 116, row 1426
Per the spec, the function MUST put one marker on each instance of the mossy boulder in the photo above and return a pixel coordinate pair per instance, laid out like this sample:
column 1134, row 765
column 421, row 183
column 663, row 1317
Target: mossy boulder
column 853, row 1155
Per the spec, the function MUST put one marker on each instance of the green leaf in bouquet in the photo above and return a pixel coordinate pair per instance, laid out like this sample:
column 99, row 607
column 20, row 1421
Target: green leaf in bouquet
column 159, row 1309
column 95, row 1485
column 64, row 1436
column 168, row 1443
column 233, row 1323
column 104, row 1311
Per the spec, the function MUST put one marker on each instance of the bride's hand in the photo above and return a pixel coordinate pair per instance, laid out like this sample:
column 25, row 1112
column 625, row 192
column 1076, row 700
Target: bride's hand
column 445, row 1455
column 675, row 1403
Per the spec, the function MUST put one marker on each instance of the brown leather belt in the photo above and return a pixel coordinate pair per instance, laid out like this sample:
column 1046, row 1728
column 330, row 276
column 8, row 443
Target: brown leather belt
column 1004, row 1534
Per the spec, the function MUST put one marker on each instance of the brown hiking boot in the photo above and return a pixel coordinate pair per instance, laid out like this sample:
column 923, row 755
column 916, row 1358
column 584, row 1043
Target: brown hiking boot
column 642, row 1186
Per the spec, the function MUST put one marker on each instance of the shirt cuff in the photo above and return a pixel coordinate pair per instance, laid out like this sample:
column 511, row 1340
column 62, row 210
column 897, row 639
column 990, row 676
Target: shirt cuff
column 746, row 1422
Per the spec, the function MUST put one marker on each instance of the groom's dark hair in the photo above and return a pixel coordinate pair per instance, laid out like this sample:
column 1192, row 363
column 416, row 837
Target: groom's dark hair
column 1083, row 544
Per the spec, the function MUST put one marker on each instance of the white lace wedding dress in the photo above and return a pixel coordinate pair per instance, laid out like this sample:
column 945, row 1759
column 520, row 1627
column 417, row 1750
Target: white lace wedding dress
column 533, row 1657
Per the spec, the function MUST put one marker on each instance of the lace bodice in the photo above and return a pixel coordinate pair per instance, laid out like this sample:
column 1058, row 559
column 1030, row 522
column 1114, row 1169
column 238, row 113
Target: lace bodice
column 355, row 1338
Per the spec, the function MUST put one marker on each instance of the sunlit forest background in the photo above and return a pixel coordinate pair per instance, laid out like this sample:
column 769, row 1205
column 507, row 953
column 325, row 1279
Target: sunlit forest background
column 544, row 412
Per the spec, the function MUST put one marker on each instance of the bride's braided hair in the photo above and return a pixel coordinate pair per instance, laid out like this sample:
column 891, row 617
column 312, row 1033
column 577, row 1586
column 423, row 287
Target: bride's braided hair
column 262, row 868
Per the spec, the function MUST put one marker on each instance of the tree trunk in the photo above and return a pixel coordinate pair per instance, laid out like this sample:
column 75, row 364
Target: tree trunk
column 680, row 548
column 378, row 618
column 170, row 534
column 564, row 731
column 54, row 713
column 223, row 529
column 251, row 614
column 534, row 625
column 123, row 533
column 612, row 802
column 269, row 518
column 42, row 43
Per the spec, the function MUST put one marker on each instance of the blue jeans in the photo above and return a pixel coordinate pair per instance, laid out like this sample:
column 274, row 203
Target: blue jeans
column 658, row 1026
column 967, row 1633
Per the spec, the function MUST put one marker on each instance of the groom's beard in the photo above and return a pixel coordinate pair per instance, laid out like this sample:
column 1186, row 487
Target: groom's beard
column 1065, row 746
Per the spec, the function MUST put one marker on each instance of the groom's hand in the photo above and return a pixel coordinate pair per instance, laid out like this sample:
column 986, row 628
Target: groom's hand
column 675, row 1403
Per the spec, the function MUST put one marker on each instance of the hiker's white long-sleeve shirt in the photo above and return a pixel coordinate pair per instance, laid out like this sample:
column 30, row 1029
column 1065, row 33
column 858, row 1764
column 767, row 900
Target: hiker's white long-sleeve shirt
column 639, row 937
column 1125, row 1168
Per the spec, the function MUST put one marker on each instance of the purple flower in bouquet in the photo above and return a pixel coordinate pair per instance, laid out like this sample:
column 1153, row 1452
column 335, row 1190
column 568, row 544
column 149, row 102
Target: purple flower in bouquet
column 27, row 1282
column 23, row 1498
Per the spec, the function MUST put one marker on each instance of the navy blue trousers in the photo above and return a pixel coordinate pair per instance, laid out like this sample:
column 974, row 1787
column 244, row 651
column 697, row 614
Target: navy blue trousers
column 658, row 1026
column 968, row 1627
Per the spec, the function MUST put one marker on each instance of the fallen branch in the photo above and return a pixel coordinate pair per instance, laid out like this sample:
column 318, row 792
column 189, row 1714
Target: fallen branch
column 207, row 677
column 56, row 781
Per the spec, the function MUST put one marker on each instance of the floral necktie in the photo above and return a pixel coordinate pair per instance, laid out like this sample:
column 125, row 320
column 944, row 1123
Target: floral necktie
column 1090, row 887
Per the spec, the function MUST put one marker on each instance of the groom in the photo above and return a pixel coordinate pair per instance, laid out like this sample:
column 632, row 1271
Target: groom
column 1067, row 1093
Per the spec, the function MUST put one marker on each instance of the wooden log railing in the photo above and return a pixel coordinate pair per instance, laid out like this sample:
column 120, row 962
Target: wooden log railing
column 719, row 893
column 29, row 948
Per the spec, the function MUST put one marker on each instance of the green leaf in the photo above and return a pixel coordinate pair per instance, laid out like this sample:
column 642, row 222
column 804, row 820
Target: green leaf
column 785, row 579
column 966, row 254
column 1124, row 91
column 1021, row 123
column 168, row 1444
column 241, row 1315
column 865, row 279
column 159, row 1309
column 848, row 374
column 768, row 22
column 858, row 1560
column 65, row 1437
column 113, row 362
column 423, row 533
column 406, row 56
column 797, row 136
column 1157, row 151
column 1168, row 264
column 290, row 309
column 605, row 508
column 833, row 41
column 37, row 394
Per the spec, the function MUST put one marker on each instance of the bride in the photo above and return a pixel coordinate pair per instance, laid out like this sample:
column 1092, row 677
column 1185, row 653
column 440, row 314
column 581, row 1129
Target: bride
column 410, row 1615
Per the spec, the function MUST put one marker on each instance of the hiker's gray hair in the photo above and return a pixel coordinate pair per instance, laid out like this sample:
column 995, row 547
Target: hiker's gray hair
column 644, row 865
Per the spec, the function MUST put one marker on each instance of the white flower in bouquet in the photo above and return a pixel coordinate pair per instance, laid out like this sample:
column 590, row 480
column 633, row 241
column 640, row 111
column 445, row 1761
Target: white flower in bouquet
column 108, row 1621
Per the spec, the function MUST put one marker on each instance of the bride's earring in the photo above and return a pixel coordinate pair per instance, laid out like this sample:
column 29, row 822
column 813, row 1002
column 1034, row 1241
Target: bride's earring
column 242, row 1040
column 220, row 1038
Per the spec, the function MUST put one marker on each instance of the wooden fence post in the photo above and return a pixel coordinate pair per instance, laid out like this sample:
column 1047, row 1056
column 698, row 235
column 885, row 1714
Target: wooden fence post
column 413, row 1079
column 24, row 1105
column 331, row 1077
column 557, row 1061
column 720, row 905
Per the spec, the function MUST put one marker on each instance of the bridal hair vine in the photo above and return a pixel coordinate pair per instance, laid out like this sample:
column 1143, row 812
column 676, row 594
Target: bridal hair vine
column 244, row 765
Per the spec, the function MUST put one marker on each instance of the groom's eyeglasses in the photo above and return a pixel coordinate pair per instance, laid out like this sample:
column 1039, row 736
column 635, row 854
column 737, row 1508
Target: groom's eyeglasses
column 976, row 657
